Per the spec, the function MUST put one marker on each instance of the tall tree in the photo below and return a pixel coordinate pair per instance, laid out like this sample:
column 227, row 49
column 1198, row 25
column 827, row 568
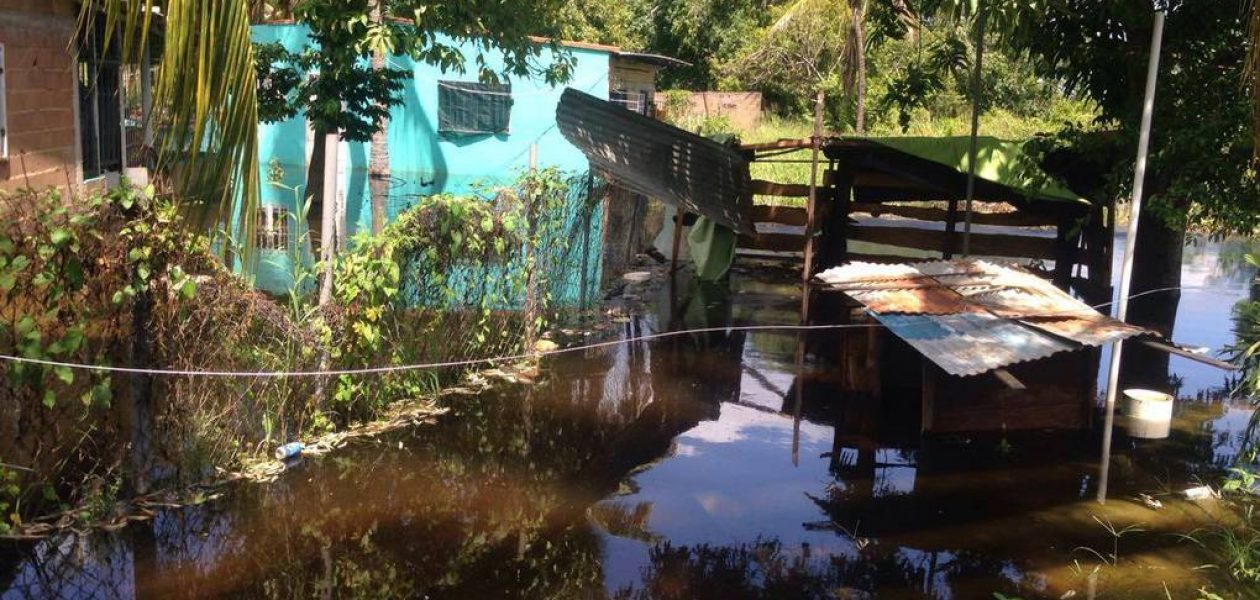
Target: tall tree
column 1200, row 171
column 378, row 167
column 855, row 63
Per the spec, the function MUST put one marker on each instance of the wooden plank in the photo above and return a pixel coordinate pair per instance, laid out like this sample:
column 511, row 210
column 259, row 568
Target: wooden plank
column 983, row 244
column 884, row 259
column 871, row 179
column 923, row 213
column 778, row 144
column 771, row 188
column 1182, row 352
column 783, row 215
column 1010, row 381
column 774, row 242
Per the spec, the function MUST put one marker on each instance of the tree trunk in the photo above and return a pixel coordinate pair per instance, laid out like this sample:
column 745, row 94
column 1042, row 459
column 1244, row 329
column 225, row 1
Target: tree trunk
column 1156, row 266
column 378, row 167
column 859, row 88
column 328, row 217
column 314, row 193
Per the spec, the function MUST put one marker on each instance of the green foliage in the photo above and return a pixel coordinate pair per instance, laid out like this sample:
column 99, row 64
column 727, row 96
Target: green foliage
column 442, row 281
column 798, row 54
column 705, row 33
column 10, row 496
column 1200, row 167
column 73, row 274
column 347, row 95
column 52, row 295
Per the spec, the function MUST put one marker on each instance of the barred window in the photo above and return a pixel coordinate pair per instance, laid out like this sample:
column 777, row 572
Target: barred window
column 469, row 108
column 631, row 101
column 272, row 232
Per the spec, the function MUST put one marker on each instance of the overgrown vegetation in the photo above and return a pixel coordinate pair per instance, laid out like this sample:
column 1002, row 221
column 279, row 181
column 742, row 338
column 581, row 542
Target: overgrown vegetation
column 117, row 279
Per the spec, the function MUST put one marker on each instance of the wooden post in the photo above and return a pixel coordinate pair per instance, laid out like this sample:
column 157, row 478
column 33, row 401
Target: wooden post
column 951, row 227
column 811, row 208
column 1065, row 250
column 928, row 396
column 677, row 242
column 589, row 208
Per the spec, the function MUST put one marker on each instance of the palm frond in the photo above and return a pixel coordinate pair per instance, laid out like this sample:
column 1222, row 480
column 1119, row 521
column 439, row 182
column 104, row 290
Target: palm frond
column 205, row 99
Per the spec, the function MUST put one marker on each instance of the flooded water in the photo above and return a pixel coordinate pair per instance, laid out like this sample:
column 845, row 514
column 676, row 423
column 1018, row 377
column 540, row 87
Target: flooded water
column 679, row 469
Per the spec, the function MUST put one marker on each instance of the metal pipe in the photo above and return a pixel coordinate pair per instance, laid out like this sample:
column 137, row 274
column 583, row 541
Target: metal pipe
column 1126, row 267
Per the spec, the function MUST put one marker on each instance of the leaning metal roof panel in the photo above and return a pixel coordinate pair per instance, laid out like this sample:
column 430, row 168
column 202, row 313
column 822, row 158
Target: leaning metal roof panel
column 659, row 160
column 971, row 316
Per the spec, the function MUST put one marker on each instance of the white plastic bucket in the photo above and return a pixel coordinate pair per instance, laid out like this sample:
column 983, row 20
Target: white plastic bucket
column 1149, row 413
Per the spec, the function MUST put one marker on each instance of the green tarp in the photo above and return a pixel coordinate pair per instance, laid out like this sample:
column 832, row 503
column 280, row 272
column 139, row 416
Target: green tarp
column 999, row 161
column 712, row 249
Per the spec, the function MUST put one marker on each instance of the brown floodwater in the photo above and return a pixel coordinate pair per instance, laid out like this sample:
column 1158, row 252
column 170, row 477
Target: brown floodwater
column 678, row 469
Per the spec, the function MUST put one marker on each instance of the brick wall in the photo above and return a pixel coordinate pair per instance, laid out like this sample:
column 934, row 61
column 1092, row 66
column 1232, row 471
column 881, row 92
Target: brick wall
column 40, row 80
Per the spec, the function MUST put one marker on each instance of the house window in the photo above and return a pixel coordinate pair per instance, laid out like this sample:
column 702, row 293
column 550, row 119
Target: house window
column 631, row 101
column 100, row 104
column 469, row 108
column 272, row 232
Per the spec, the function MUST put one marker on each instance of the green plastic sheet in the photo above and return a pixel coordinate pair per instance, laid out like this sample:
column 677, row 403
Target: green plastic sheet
column 712, row 249
column 999, row 161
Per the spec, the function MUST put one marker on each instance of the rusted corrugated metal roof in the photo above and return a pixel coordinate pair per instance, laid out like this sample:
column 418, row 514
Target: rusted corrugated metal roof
column 970, row 316
column 659, row 160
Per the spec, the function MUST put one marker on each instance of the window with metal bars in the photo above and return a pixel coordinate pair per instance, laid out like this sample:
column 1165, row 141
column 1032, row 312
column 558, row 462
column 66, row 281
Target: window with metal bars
column 272, row 232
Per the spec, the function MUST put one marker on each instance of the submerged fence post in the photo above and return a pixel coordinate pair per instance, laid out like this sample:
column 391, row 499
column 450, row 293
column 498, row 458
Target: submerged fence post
column 1126, row 267
column 588, row 210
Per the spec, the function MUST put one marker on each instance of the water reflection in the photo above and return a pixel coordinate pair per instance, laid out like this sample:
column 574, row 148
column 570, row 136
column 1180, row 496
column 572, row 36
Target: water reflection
column 666, row 470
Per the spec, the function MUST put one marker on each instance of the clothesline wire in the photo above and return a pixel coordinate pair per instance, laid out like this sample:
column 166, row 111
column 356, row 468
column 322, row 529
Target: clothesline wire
column 494, row 359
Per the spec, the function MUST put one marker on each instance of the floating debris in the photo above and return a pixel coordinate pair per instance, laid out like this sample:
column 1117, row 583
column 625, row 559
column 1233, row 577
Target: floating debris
column 1150, row 502
column 1202, row 492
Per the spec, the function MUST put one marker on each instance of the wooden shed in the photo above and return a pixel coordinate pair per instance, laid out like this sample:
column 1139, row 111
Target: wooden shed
column 902, row 199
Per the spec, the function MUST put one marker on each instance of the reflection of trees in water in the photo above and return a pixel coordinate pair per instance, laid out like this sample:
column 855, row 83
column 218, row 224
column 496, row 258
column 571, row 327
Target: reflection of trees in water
column 69, row 566
column 768, row 569
column 491, row 501
column 1231, row 265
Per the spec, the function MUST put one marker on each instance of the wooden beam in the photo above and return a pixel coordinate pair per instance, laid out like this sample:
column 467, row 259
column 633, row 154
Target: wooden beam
column 923, row 213
column 771, row 188
column 1182, row 352
column 983, row 244
column 778, row 145
column 884, row 258
column 783, row 215
column 1009, row 380
column 774, row 242
column 872, row 179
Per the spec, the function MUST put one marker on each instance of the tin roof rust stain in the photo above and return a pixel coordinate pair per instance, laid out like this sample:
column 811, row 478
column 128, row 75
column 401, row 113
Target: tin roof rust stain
column 970, row 317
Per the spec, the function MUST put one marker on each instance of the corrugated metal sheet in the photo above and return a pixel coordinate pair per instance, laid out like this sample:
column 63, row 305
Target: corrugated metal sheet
column 659, row 160
column 972, row 343
column 970, row 317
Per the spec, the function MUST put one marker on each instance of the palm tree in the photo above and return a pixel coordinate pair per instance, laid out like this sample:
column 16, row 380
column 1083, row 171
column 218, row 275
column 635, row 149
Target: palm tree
column 204, row 94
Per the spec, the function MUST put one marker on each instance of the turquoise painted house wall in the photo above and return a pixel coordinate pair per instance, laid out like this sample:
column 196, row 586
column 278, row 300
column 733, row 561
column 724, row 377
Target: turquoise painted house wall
column 424, row 162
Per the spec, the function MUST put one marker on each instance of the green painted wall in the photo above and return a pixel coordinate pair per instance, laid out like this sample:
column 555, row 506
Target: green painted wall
column 424, row 162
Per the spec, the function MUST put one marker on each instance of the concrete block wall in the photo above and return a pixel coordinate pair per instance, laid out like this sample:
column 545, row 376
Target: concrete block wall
column 40, row 94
